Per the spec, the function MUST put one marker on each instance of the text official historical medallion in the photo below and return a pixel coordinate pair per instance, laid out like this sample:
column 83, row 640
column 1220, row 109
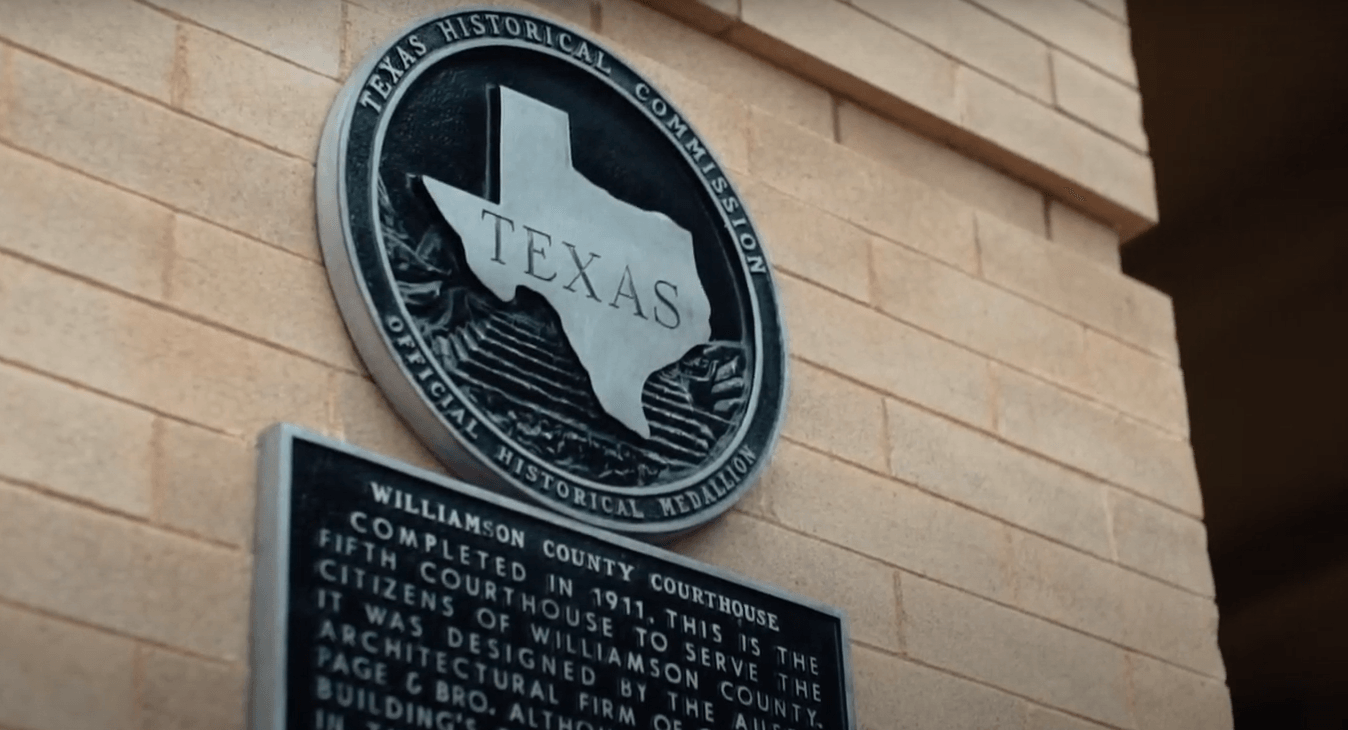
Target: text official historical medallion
column 550, row 274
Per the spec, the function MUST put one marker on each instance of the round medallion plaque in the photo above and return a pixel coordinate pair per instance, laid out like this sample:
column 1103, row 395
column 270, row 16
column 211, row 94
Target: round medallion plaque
column 549, row 273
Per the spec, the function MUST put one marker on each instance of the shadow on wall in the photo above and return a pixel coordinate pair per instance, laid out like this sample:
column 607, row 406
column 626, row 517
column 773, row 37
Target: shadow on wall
column 1245, row 104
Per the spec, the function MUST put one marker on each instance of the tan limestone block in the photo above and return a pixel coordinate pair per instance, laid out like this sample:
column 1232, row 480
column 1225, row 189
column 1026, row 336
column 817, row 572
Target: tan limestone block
column 122, row 41
column 835, row 415
column 366, row 28
column 1118, row 173
column 893, row 694
column 370, row 23
column 575, row 12
column 883, row 519
column 842, row 46
column 863, row 588
column 1099, row 296
column 308, row 34
column 186, row 693
column 146, row 355
column 1169, row 698
column 75, row 442
column 86, row 227
column 1107, row 601
column 810, row 243
column 1170, row 624
column 974, row 36
column 251, row 287
column 1099, row 100
column 6, row 87
column 1076, row 28
column 1136, row 382
column 1011, row 650
column 851, row 339
column 179, row 161
column 717, row 65
column 580, row 13
column 1082, row 234
column 205, row 482
column 1117, row 9
column 112, row 572
column 1066, row 586
column 940, row 166
column 253, row 93
column 709, row 16
column 721, row 120
column 1159, row 542
column 975, row 469
column 55, row 674
column 367, row 419
column 984, row 318
column 868, row 193
column 1066, row 147
column 1077, row 432
column 1042, row 718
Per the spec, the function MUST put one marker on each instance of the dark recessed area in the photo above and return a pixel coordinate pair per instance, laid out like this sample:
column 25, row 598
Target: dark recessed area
column 1246, row 108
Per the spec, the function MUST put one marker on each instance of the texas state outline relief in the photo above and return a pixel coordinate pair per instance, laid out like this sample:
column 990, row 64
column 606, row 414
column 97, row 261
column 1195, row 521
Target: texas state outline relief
column 622, row 280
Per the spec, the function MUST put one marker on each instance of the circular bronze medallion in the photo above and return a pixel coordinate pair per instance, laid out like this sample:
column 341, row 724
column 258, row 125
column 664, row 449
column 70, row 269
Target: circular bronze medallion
column 549, row 273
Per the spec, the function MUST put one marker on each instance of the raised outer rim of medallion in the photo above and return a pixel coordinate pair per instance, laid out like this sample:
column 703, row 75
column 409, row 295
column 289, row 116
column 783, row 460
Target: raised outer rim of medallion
column 393, row 377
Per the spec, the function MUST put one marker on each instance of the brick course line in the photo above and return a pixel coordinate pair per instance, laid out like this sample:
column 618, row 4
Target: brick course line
column 162, row 204
column 6, row 85
column 596, row 16
column 726, row 35
column 332, row 406
column 1086, row 123
column 978, row 248
column 168, row 309
column 990, row 164
column 156, row 478
column 980, row 597
column 1092, row 64
column 25, row 367
column 171, row 108
column 1052, row 106
column 188, row 21
column 985, row 683
column 44, row 613
column 934, row 579
column 178, row 79
column 344, row 59
column 1130, row 685
column 996, row 436
column 966, row 63
column 1103, row 12
column 900, row 614
column 1114, row 542
column 290, row 155
column 1002, row 520
column 110, row 512
column 1065, row 387
column 138, row 661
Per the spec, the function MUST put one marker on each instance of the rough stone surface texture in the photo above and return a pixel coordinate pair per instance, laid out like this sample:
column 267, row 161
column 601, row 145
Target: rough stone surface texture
column 985, row 457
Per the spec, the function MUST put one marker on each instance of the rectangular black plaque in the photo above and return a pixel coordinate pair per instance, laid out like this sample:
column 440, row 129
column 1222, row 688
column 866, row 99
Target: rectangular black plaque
column 390, row 597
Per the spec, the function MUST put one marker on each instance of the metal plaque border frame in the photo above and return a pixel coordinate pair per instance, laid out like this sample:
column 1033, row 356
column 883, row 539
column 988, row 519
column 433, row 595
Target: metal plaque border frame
column 270, row 609
column 391, row 374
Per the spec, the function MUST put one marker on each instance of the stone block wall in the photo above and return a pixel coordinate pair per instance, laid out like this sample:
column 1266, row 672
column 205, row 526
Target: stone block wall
column 985, row 460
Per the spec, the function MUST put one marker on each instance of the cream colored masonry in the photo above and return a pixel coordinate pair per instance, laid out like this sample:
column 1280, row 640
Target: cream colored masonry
column 986, row 459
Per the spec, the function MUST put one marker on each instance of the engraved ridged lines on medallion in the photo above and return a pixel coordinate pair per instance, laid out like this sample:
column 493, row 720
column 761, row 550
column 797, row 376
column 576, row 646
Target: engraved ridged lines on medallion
column 502, row 355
